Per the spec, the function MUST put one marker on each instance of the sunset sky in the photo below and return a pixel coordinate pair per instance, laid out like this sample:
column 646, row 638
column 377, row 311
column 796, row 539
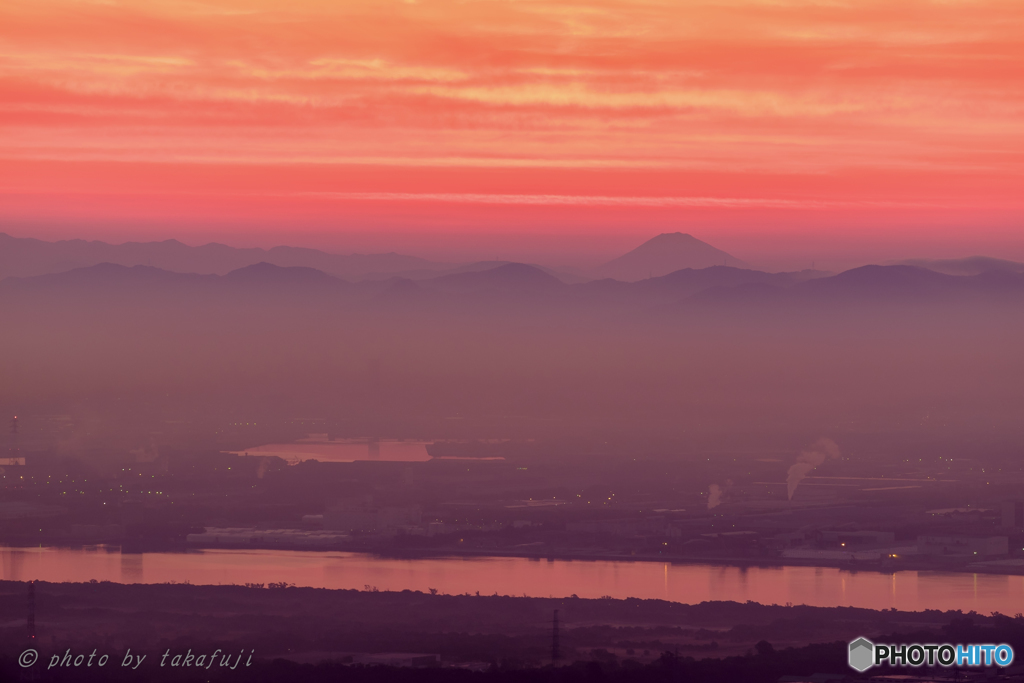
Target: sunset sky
column 779, row 130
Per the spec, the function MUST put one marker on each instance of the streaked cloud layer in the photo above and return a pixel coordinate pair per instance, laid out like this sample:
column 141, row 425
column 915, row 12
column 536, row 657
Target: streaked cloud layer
column 920, row 100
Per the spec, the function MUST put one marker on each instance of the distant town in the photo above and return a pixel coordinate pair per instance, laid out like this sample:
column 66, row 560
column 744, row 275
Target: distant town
column 505, row 497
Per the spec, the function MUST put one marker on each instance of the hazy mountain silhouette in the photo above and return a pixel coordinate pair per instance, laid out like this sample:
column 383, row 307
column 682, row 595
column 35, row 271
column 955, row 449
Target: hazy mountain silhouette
column 106, row 276
column 695, row 280
column 718, row 285
column 873, row 286
column 477, row 266
column 885, row 281
column 509, row 277
column 665, row 254
column 972, row 265
column 688, row 282
column 145, row 278
column 267, row 274
column 24, row 257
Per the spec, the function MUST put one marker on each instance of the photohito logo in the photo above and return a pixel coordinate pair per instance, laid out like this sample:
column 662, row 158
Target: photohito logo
column 863, row 654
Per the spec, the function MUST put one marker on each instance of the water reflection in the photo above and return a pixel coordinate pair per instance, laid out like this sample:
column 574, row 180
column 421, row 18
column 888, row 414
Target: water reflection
column 131, row 568
column 343, row 450
column 906, row 590
column 12, row 564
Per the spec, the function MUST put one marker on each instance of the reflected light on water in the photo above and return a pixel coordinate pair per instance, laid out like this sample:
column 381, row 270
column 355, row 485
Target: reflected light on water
column 131, row 568
column 343, row 450
column 688, row 583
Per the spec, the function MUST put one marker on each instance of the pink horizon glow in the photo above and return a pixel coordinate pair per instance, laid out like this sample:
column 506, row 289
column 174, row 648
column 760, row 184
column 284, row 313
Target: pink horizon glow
column 781, row 132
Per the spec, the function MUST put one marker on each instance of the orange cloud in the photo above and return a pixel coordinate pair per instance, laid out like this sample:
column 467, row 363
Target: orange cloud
column 820, row 105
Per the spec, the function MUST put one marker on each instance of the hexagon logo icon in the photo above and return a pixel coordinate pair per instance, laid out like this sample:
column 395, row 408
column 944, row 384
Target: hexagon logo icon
column 862, row 654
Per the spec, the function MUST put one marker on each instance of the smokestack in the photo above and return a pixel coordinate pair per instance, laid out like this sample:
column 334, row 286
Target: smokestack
column 556, row 652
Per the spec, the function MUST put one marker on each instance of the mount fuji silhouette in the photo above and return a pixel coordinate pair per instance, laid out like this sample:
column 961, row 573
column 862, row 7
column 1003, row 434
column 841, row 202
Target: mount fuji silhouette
column 664, row 254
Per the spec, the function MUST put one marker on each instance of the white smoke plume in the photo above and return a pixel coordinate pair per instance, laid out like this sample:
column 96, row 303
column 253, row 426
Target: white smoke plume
column 716, row 492
column 714, row 496
column 808, row 460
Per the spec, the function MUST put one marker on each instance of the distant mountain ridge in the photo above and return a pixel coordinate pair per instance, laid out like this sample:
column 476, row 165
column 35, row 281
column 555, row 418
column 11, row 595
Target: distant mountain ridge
column 25, row 257
column 510, row 276
column 666, row 267
column 264, row 273
column 875, row 286
column 972, row 265
column 718, row 286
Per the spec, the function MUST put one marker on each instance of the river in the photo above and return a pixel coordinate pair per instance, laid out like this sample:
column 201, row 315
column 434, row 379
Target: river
column 687, row 583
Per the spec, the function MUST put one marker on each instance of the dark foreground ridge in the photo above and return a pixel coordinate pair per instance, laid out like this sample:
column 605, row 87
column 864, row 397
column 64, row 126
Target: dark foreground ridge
column 330, row 635
column 764, row 666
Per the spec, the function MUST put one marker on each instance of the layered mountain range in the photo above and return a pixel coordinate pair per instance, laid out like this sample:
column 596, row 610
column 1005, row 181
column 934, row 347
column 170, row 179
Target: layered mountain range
column 25, row 257
column 516, row 282
column 720, row 347
column 657, row 257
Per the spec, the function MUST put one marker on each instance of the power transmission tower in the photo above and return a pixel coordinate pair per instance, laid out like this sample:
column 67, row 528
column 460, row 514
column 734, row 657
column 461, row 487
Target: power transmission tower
column 556, row 652
column 32, row 611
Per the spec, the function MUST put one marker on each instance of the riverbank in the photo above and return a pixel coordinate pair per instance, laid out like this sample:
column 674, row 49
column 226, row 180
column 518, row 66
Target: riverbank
column 903, row 562
column 912, row 563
